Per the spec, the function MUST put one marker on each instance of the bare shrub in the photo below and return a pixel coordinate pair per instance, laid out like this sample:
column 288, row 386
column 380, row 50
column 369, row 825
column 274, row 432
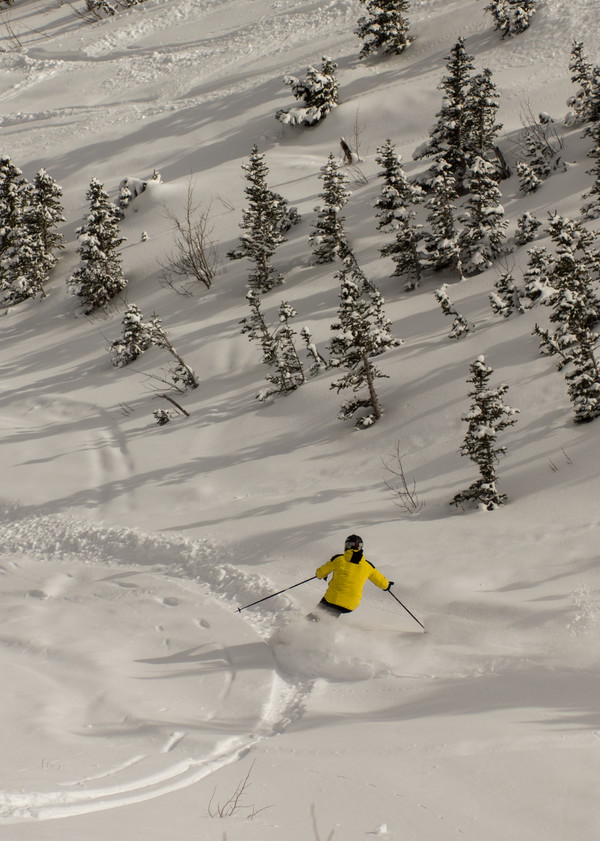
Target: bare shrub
column 405, row 493
column 194, row 257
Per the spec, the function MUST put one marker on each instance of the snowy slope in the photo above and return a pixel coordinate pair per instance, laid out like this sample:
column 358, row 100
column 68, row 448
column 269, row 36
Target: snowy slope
column 136, row 699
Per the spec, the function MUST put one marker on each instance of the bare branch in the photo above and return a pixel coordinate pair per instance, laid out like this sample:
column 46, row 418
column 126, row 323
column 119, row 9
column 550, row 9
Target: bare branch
column 194, row 258
column 406, row 495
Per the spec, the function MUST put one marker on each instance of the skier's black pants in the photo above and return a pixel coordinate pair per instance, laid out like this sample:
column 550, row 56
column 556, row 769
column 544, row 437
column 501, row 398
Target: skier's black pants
column 332, row 609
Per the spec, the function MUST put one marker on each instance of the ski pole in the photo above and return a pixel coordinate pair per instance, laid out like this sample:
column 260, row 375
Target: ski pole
column 285, row 589
column 407, row 610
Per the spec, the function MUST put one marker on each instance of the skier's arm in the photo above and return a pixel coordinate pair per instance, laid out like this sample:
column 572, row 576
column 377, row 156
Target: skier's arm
column 378, row 579
column 323, row 571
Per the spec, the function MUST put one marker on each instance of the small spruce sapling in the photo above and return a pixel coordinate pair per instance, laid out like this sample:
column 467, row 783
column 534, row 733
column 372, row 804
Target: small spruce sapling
column 507, row 298
column 319, row 92
column 487, row 417
column 135, row 339
column 527, row 227
column 460, row 325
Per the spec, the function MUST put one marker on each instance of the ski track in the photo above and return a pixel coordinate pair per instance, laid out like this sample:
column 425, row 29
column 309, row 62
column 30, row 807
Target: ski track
column 77, row 549
column 149, row 80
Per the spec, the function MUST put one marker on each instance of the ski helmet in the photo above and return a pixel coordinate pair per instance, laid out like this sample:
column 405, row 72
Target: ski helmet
column 353, row 541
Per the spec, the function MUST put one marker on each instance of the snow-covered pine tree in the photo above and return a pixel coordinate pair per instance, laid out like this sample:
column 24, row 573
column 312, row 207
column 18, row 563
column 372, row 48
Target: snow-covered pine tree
column 277, row 345
column 585, row 103
column 397, row 191
column 460, row 325
column 290, row 368
column 512, row 17
column 31, row 240
column 182, row 375
column 328, row 234
column 12, row 188
column 384, row 28
column 135, row 339
column 486, row 418
column 575, row 314
column 319, row 91
column 591, row 210
column 257, row 330
column 362, row 332
column 263, row 221
column 100, row 276
column 395, row 213
column 508, row 297
column 527, row 226
column 482, row 237
column 318, row 362
column 45, row 213
column 538, row 275
column 528, row 180
column 450, row 138
column 442, row 238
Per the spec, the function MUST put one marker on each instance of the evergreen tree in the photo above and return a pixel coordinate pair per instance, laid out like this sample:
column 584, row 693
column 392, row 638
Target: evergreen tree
column 512, row 17
column 528, row 180
column 591, row 210
column 12, row 190
column 289, row 366
column 135, row 339
column 527, row 226
column 442, row 238
column 182, row 375
column 328, row 235
column 362, row 332
column 450, row 138
column 319, row 91
column 585, row 103
column 394, row 211
column 385, row 28
column 507, row 298
column 484, row 231
column 264, row 220
column 46, row 213
column 99, row 277
column 397, row 191
column 486, row 418
column 318, row 362
column 460, row 325
column 482, row 105
column 537, row 277
column 575, row 314
column 278, row 348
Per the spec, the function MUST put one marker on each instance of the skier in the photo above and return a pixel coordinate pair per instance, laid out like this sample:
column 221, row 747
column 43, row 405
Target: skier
column 350, row 572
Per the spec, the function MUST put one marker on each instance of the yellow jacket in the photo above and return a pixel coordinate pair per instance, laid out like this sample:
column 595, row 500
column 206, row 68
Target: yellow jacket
column 350, row 572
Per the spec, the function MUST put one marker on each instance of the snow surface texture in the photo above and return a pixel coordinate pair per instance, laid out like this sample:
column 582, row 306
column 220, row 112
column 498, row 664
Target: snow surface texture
column 129, row 679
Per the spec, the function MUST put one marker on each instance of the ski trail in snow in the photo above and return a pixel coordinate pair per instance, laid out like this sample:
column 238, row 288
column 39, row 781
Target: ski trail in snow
column 165, row 700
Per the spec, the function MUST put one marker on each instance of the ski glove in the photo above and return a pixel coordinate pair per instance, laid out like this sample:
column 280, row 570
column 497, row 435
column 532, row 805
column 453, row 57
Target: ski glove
column 390, row 584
